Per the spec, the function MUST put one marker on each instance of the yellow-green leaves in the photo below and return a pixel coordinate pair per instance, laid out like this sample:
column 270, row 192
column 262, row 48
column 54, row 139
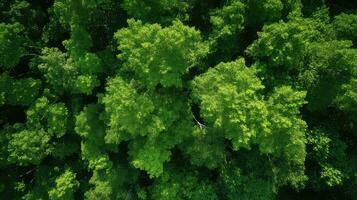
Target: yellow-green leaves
column 178, row 99
column 66, row 185
column 232, row 106
column 50, row 117
column 229, row 20
column 29, row 147
column 286, row 140
column 65, row 75
column 159, row 55
column 285, row 44
column 128, row 112
column 227, row 23
column 34, row 140
column 151, row 122
column 229, row 100
column 76, row 70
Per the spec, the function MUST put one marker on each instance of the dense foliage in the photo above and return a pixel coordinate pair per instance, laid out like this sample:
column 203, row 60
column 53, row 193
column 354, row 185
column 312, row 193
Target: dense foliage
column 178, row 99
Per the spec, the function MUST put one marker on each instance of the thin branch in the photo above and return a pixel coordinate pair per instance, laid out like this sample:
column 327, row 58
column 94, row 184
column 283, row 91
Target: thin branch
column 28, row 172
column 29, row 54
column 202, row 126
column 35, row 47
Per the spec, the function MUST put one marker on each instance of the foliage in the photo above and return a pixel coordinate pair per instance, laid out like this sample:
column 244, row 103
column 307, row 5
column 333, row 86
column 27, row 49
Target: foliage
column 178, row 99
column 178, row 184
column 63, row 75
column 163, row 11
column 28, row 146
column 230, row 102
column 159, row 55
column 11, row 48
column 266, row 11
column 345, row 27
column 145, row 120
column 21, row 92
column 347, row 101
column 66, row 184
column 227, row 23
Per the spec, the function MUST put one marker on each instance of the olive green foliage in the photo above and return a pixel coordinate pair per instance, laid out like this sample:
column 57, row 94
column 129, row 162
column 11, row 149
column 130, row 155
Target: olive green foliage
column 182, row 184
column 227, row 23
column 178, row 99
column 163, row 11
column 266, row 11
column 11, row 48
column 345, row 26
column 347, row 101
column 21, row 92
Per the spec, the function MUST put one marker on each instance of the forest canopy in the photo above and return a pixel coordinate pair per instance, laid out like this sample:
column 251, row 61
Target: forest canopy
column 178, row 99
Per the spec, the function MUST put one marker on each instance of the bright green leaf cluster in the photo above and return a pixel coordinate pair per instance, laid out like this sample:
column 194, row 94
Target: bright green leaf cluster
column 29, row 147
column 63, row 74
column 50, row 117
column 159, row 55
column 147, row 120
column 230, row 99
column 66, row 185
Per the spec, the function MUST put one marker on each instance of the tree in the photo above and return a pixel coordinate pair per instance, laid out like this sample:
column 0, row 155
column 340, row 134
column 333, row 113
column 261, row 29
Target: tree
column 176, row 48
column 227, row 23
column 63, row 75
column 152, row 123
column 161, row 11
column 284, row 44
column 50, row 117
column 66, row 184
column 228, row 101
column 82, row 65
column 231, row 102
column 347, row 100
column 261, row 12
column 28, row 147
column 304, row 53
column 345, row 27
column 182, row 184
column 109, row 177
column 12, row 45
column 18, row 92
